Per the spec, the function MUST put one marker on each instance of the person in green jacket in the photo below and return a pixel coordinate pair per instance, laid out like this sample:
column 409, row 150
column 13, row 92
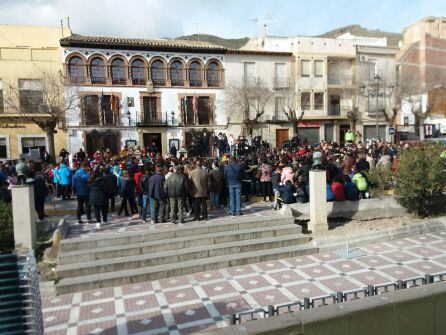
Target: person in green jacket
column 361, row 183
column 349, row 136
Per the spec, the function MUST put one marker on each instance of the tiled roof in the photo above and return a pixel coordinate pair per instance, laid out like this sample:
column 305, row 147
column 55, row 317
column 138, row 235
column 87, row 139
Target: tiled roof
column 138, row 43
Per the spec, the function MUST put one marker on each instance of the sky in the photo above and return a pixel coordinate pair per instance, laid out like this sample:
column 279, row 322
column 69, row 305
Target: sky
column 225, row 18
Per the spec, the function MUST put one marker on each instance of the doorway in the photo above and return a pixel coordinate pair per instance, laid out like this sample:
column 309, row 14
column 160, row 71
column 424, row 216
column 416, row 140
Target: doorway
column 150, row 138
column 97, row 140
column 343, row 128
column 281, row 136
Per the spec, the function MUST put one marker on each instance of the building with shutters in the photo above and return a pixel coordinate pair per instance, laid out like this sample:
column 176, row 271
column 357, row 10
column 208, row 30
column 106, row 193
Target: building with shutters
column 140, row 92
column 25, row 52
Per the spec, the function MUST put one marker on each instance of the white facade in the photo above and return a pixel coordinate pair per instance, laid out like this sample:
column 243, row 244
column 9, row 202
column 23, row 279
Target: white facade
column 130, row 127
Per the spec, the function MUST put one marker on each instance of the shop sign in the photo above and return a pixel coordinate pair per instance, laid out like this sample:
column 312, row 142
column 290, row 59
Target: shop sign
column 11, row 125
column 308, row 125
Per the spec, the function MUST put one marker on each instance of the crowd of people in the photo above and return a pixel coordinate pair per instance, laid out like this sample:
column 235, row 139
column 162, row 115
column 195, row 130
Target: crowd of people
column 174, row 186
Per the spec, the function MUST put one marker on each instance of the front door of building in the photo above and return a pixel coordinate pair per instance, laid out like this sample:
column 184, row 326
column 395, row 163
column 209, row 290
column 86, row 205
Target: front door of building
column 281, row 135
column 98, row 140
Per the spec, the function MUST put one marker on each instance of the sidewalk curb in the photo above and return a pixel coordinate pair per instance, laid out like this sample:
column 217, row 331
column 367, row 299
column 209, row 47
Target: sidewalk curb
column 330, row 243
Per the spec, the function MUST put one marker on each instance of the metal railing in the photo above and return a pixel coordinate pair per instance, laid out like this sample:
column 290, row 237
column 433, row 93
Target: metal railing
column 334, row 298
column 29, row 286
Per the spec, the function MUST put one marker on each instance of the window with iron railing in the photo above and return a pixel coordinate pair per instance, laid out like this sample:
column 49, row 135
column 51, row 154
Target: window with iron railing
column 334, row 107
column 76, row 70
column 319, row 100
column 118, row 72
column 150, row 111
column 213, row 74
column 158, row 74
column 97, row 71
column 195, row 77
column 176, row 74
column 138, row 72
column 90, row 110
column 3, row 147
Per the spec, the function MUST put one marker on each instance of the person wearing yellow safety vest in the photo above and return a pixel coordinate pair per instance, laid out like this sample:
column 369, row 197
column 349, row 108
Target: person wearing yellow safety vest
column 349, row 136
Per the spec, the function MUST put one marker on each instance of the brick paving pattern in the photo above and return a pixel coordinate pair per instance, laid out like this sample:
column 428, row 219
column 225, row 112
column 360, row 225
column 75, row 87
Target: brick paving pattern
column 204, row 301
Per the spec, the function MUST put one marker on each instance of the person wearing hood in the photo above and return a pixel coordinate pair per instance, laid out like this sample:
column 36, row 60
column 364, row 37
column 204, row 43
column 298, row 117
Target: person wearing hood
column 80, row 186
column 97, row 197
column 40, row 192
column 65, row 180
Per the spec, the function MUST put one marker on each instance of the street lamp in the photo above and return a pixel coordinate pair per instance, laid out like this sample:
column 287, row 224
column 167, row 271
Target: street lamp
column 376, row 93
column 128, row 116
column 377, row 80
column 173, row 116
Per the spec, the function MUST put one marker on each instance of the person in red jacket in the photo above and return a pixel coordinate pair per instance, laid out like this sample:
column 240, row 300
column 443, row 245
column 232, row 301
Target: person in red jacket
column 137, row 177
column 337, row 187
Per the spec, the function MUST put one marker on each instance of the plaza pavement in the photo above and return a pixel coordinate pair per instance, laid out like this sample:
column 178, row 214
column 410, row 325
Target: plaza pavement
column 204, row 301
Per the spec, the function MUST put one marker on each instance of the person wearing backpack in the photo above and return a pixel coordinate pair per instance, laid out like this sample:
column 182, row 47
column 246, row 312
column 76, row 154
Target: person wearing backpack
column 234, row 176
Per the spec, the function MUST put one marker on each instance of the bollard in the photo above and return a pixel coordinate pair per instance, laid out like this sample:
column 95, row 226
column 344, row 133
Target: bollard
column 428, row 279
column 24, row 217
column 339, row 297
column 270, row 310
column 307, row 303
column 318, row 202
column 370, row 290
column 233, row 319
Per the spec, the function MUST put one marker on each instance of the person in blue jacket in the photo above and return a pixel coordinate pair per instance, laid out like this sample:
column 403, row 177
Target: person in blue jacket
column 80, row 186
column 65, row 180
column 56, row 180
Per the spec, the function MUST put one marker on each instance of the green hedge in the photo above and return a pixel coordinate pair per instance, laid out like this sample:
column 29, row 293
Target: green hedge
column 420, row 179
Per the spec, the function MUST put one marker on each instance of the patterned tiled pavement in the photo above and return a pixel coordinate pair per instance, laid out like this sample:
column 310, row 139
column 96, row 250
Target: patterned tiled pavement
column 120, row 224
column 203, row 301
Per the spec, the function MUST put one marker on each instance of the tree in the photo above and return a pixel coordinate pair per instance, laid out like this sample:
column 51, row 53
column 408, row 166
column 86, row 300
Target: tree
column 44, row 104
column 250, row 97
column 289, row 106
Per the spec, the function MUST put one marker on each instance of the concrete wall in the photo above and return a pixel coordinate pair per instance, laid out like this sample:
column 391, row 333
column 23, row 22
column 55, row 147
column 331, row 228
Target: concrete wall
column 414, row 311
column 362, row 209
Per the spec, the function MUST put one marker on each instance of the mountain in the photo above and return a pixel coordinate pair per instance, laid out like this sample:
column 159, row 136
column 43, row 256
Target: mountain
column 357, row 30
column 230, row 43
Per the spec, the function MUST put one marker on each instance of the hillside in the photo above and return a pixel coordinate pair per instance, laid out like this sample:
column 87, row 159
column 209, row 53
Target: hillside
column 230, row 43
column 357, row 30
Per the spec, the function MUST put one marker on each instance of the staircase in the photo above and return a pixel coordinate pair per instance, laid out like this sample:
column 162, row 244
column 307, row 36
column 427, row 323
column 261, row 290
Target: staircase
column 112, row 259
column 11, row 307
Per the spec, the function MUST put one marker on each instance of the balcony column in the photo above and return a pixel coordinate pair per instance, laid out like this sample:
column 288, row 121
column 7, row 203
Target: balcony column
column 336, row 132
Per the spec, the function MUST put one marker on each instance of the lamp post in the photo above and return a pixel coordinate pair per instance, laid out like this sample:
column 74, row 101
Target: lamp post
column 376, row 80
column 173, row 117
column 128, row 116
column 376, row 93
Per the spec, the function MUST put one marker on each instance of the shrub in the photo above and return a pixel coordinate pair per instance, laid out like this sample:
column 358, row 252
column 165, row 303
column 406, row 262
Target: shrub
column 420, row 179
column 6, row 228
column 381, row 180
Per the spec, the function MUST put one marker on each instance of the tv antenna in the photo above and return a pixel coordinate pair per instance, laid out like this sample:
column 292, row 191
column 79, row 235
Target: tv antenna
column 255, row 21
column 268, row 19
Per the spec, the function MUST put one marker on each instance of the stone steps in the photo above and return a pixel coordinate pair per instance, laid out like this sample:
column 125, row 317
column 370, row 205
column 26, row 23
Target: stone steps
column 88, row 255
column 109, row 279
column 110, row 259
column 176, row 256
column 111, row 239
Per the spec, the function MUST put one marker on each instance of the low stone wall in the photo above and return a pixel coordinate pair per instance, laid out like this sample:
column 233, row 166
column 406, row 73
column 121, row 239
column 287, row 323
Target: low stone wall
column 365, row 209
column 415, row 311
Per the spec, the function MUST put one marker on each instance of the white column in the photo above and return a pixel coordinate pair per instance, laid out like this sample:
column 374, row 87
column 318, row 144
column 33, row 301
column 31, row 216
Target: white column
column 318, row 202
column 24, row 217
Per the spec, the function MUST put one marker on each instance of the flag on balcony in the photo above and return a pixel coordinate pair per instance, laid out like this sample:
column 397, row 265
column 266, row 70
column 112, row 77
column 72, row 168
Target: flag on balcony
column 102, row 106
column 195, row 108
column 184, row 109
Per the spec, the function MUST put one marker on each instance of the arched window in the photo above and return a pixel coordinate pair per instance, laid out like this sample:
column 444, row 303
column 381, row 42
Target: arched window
column 97, row 71
column 213, row 74
column 195, row 74
column 176, row 74
column 118, row 71
column 157, row 73
column 76, row 69
column 138, row 72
